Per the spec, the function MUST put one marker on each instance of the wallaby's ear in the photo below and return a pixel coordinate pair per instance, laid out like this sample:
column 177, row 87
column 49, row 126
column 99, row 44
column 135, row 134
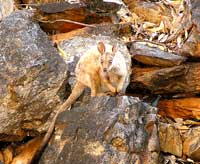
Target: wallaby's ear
column 114, row 50
column 101, row 47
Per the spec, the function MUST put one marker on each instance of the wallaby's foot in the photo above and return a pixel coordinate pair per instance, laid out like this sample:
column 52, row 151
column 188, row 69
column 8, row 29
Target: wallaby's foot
column 101, row 94
column 93, row 95
column 112, row 89
column 93, row 92
column 119, row 89
column 111, row 93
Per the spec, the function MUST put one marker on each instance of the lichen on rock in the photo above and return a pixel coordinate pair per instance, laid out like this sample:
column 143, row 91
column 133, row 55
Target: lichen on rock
column 31, row 74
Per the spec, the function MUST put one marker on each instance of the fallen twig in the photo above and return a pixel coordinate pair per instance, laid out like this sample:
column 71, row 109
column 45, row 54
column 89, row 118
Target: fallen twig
column 66, row 20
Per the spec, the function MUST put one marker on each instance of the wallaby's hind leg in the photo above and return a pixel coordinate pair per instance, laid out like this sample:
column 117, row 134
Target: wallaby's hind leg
column 94, row 85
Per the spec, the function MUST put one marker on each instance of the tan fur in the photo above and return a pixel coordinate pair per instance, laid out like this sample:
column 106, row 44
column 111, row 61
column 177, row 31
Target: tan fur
column 93, row 70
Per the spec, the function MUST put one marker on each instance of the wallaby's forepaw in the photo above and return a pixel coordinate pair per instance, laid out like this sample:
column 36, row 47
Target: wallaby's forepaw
column 120, row 92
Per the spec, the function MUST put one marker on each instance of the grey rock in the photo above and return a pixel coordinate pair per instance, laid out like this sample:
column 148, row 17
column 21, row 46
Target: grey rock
column 102, row 130
column 194, row 7
column 154, row 56
column 31, row 76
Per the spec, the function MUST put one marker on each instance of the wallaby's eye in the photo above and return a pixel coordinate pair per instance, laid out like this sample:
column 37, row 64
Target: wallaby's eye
column 110, row 61
column 101, row 61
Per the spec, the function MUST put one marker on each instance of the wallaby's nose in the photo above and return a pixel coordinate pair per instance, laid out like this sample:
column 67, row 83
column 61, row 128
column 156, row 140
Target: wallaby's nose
column 104, row 70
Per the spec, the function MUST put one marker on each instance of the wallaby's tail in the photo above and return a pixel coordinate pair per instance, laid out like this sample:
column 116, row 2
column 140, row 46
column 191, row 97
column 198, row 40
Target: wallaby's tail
column 76, row 92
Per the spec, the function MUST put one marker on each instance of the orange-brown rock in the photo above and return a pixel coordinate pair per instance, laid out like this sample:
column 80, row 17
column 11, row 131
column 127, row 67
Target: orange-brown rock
column 64, row 16
column 170, row 139
column 180, row 108
column 26, row 152
column 8, row 155
column 191, row 144
column 103, row 29
column 1, row 157
column 178, row 79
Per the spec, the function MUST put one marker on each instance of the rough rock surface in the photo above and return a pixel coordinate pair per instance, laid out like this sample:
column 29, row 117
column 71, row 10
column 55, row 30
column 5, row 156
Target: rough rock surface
column 191, row 47
column 191, row 144
column 170, row 139
column 154, row 56
column 105, row 130
column 195, row 4
column 31, row 74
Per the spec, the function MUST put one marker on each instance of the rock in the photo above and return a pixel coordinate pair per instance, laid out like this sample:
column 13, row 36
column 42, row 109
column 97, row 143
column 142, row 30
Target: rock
column 191, row 47
column 108, row 29
column 169, row 159
column 25, row 152
column 75, row 14
column 170, row 139
column 1, row 158
column 7, row 155
column 187, row 108
column 147, row 11
column 172, row 80
column 104, row 130
column 154, row 56
column 6, row 8
column 191, row 144
column 31, row 76
column 195, row 4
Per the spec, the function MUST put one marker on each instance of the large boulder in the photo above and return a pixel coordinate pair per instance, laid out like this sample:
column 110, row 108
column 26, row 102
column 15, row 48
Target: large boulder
column 170, row 139
column 105, row 130
column 191, row 144
column 31, row 76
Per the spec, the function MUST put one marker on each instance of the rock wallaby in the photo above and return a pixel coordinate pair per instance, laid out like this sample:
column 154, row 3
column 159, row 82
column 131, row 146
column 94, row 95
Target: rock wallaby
column 103, row 69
